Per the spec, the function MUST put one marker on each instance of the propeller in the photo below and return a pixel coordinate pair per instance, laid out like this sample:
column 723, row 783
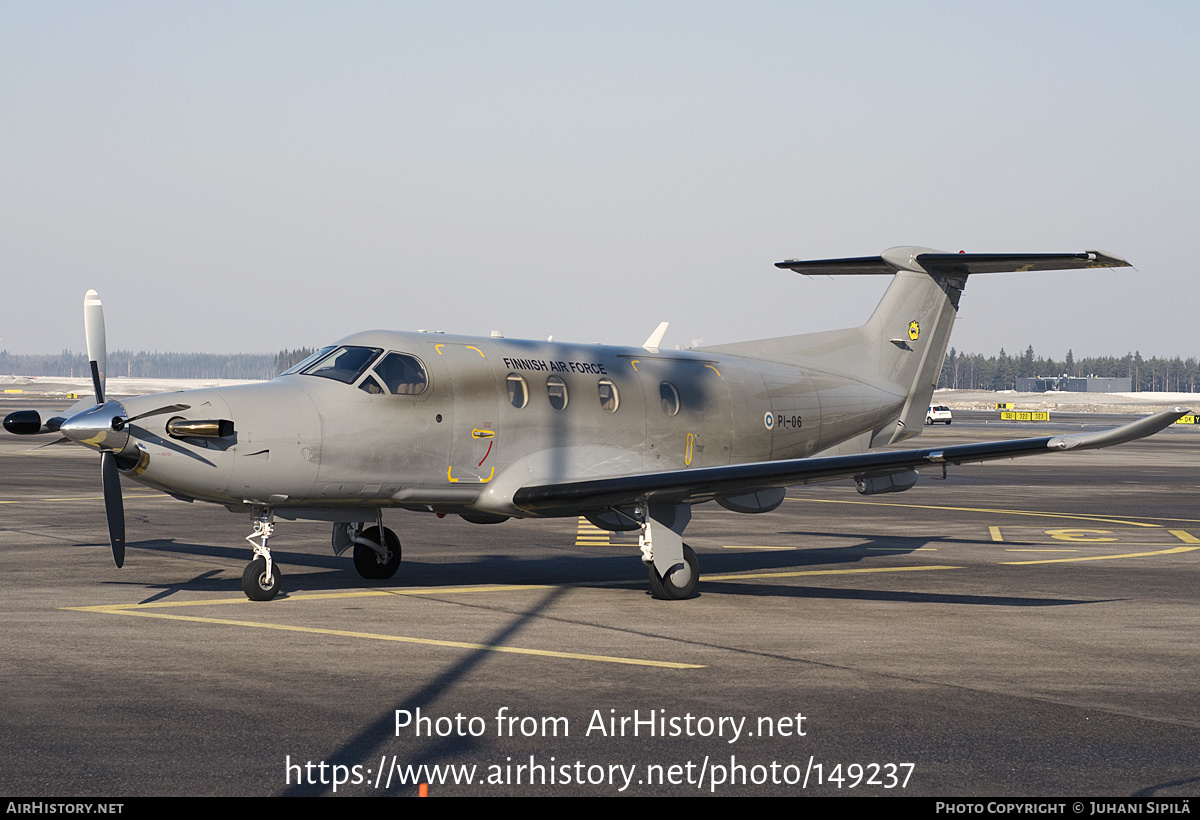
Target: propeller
column 105, row 427
column 114, row 504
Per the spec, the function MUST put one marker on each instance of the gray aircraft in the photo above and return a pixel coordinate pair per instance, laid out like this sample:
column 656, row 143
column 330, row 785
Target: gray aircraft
column 493, row 428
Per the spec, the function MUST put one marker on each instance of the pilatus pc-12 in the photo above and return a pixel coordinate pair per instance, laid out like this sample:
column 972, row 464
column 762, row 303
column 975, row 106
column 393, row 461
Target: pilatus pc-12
column 490, row 428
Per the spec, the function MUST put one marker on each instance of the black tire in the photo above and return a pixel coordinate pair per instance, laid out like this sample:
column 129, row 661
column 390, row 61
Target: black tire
column 254, row 580
column 666, row 589
column 947, row 422
column 367, row 561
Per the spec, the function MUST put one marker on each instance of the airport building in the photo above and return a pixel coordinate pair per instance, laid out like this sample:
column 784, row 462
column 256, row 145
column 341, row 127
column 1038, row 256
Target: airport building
column 1074, row 384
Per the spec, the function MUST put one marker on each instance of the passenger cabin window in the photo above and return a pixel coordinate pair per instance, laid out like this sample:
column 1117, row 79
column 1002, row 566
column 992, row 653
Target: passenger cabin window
column 344, row 364
column 608, row 395
column 670, row 398
column 401, row 375
column 518, row 392
column 557, row 389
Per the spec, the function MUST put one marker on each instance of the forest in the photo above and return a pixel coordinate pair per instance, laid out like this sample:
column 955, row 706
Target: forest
column 973, row 371
column 157, row 365
column 962, row 371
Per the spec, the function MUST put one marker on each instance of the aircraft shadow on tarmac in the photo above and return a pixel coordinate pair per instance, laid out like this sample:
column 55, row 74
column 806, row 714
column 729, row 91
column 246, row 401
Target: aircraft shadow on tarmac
column 613, row 571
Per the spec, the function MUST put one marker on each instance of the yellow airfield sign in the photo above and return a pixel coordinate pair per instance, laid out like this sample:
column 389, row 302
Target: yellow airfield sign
column 1025, row 415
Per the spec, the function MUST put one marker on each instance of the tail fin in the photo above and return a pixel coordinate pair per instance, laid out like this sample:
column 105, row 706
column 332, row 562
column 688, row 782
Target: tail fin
column 902, row 345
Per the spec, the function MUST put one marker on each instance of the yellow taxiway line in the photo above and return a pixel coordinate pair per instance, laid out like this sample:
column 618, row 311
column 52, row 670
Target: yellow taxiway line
column 147, row 611
column 987, row 510
column 797, row 574
column 1104, row 557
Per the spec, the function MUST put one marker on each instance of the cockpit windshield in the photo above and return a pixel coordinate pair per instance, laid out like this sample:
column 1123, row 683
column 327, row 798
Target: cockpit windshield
column 343, row 364
column 296, row 368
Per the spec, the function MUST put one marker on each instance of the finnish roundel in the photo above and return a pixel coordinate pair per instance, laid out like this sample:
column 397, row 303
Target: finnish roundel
column 769, row 421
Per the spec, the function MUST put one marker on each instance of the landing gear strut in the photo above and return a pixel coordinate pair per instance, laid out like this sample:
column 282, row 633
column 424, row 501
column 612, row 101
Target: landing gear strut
column 261, row 578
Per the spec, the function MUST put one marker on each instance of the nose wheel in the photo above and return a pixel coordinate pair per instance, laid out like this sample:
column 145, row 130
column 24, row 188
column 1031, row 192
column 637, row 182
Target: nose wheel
column 257, row 585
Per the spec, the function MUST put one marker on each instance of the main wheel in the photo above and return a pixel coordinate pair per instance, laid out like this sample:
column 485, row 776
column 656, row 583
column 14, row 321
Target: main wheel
column 680, row 582
column 254, row 580
column 371, row 564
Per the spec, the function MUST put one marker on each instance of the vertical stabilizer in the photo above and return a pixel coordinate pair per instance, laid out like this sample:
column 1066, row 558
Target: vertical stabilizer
column 902, row 346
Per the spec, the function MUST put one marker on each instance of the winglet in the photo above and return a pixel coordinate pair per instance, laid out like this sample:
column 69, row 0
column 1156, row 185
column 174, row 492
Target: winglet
column 1118, row 435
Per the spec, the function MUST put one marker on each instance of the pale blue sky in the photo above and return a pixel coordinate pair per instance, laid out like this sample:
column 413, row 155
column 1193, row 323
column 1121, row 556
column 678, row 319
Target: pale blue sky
column 246, row 177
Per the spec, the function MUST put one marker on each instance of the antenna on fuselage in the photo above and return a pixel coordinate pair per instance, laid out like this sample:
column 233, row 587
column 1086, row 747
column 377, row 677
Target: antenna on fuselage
column 656, row 337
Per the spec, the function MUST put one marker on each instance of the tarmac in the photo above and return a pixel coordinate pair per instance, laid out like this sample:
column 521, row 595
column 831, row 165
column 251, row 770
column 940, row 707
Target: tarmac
column 1021, row 628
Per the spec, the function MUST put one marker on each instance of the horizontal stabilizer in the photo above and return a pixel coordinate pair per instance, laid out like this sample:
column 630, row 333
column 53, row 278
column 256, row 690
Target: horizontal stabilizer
column 927, row 260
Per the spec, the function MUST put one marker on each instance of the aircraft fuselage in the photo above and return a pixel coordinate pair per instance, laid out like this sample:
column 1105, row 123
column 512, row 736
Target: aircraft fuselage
column 492, row 416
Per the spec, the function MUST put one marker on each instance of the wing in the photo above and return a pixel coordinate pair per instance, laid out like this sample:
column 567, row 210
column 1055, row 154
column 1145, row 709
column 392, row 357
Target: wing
column 704, row 484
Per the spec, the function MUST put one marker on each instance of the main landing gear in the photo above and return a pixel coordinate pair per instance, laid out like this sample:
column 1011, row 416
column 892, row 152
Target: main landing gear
column 377, row 559
column 679, row 582
column 673, row 568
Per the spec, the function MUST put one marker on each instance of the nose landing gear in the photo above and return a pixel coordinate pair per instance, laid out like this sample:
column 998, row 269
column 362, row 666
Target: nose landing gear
column 261, row 578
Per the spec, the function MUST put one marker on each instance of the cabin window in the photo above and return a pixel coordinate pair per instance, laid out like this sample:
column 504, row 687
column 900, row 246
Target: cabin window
column 670, row 398
column 345, row 364
column 402, row 375
column 608, row 395
column 557, row 389
column 518, row 392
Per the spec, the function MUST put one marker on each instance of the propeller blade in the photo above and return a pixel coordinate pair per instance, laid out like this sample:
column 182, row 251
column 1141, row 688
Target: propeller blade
column 114, row 507
column 57, row 441
column 93, row 330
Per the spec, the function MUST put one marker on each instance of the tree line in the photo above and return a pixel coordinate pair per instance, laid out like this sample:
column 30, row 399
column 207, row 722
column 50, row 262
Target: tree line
column 156, row 365
column 962, row 371
column 973, row 371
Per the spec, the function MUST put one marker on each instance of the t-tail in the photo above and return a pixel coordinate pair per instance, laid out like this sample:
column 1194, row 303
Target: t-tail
column 901, row 347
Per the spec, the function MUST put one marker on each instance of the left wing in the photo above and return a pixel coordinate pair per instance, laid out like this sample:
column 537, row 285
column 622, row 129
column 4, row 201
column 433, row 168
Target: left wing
column 705, row 483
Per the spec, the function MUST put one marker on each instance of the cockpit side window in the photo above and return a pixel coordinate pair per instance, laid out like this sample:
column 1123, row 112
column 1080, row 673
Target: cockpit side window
column 402, row 375
column 344, row 364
